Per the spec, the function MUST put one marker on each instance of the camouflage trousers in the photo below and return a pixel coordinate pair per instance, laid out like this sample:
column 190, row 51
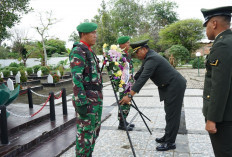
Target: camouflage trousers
column 125, row 108
column 88, row 128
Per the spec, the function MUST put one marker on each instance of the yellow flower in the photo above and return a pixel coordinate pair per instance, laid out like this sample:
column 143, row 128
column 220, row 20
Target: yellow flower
column 120, row 85
column 119, row 73
column 105, row 45
column 113, row 47
column 122, row 82
column 116, row 63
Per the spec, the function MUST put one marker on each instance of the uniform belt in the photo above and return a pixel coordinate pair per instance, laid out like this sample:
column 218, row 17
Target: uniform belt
column 93, row 87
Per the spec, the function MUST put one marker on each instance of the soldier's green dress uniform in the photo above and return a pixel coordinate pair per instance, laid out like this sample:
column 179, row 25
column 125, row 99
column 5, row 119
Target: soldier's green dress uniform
column 126, row 107
column 171, row 85
column 217, row 95
column 87, row 98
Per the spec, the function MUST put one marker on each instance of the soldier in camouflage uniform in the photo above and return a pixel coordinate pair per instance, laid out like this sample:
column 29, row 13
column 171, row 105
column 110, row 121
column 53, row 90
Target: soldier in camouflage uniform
column 124, row 44
column 87, row 89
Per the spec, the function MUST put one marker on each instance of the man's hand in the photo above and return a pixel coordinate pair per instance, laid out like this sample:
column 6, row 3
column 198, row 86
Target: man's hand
column 125, row 100
column 211, row 127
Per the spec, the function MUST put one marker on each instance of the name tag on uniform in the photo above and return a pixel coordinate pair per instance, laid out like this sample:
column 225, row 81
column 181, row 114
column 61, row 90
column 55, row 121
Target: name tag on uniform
column 214, row 63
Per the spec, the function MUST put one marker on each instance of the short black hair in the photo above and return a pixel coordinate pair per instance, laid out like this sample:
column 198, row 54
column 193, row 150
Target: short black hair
column 227, row 19
column 79, row 34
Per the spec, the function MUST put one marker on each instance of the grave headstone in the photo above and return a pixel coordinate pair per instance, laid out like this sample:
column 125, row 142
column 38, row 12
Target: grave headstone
column 58, row 73
column 50, row 79
column 19, row 73
column 17, row 78
column 2, row 76
column 39, row 73
column 10, row 84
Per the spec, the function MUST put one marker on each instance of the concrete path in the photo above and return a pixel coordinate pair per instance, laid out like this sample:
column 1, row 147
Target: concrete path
column 194, row 142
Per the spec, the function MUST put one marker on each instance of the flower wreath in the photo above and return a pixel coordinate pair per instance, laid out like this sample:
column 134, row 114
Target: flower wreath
column 117, row 67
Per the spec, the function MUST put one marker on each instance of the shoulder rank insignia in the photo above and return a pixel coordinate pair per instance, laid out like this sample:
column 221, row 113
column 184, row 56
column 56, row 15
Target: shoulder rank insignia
column 214, row 63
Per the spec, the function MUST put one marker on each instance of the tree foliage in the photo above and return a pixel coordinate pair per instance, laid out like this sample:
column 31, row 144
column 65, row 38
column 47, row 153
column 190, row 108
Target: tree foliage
column 55, row 46
column 11, row 12
column 185, row 32
column 180, row 53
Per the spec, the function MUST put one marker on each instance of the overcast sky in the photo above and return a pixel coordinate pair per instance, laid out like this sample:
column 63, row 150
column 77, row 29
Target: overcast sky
column 72, row 12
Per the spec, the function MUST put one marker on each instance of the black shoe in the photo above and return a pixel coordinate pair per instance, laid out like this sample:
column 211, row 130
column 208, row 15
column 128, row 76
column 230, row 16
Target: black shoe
column 131, row 125
column 160, row 140
column 166, row 146
column 121, row 127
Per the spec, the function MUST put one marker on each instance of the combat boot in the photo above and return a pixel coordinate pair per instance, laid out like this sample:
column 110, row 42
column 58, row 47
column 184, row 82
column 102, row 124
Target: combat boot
column 131, row 125
column 121, row 127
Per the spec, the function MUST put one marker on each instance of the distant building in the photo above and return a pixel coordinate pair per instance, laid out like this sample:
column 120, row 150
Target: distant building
column 205, row 46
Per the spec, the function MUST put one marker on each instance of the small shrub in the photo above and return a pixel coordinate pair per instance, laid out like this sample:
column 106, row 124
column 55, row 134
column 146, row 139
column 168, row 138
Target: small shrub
column 36, row 68
column 23, row 77
column 6, row 73
column 13, row 64
column 56, row 78
column 21, row 68
column 1, row 79
column 45, row 70
column 61, row 69
column 180, row 53
column 201, row 63
column 14, row 70
column 16, row 85
column 29, row 71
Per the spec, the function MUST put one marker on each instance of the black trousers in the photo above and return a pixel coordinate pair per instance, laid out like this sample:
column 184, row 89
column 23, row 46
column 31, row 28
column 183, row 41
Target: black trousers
column 222, row 140
column 172, row 108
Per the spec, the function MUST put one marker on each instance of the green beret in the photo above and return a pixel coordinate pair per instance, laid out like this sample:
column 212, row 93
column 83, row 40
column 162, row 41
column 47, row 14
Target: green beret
column 123, row 39
column 221, row 11
column 139, row 44
column 86, row 27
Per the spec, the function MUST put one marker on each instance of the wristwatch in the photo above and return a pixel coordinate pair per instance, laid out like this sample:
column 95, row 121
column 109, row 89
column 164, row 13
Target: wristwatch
column 129, row 95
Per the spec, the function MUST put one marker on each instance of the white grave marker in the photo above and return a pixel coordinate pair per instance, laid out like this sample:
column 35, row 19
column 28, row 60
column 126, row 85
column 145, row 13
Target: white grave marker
column 50, row 79
column 17, row 78
column 58, row 73
column 10, row 84
column 39, row 73
column 19, row 73
column 2, row 76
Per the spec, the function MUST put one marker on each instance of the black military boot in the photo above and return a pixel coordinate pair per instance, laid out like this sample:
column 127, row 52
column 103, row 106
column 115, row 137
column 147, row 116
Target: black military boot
column 121, row 127
column 131, row 125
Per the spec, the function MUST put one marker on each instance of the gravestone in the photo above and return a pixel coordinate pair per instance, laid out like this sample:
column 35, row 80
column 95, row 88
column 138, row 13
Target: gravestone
column 39, row 73
column 17, row 78
column 10, row 84
column 11, row 73
column 19, row 73
column 50, row 79
column 2, row 76
column 58, row 73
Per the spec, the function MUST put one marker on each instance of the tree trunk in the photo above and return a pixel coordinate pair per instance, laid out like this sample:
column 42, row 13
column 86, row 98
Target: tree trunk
column 45, row 52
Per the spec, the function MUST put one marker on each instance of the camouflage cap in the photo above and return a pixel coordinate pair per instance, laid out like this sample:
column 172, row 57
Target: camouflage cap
column 86, row 27
column 123, row 39
column 139, row 44
column 220, row 11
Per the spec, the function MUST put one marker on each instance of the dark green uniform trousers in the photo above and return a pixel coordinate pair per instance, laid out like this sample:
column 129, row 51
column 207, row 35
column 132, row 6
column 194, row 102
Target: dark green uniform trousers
column 172, row 108
column 222, row 140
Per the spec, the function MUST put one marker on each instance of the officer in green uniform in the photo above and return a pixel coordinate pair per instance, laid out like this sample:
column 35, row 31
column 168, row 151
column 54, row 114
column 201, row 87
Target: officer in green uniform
column 171, row 85
column 87, row 89
column 124, row 43
column 217, row 95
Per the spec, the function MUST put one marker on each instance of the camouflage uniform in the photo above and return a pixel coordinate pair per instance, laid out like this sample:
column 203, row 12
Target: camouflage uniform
column 126, row 107
column 88, row 125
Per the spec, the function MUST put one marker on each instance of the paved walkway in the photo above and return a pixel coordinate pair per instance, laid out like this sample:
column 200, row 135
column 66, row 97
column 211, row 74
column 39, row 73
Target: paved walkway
column 194, row 143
